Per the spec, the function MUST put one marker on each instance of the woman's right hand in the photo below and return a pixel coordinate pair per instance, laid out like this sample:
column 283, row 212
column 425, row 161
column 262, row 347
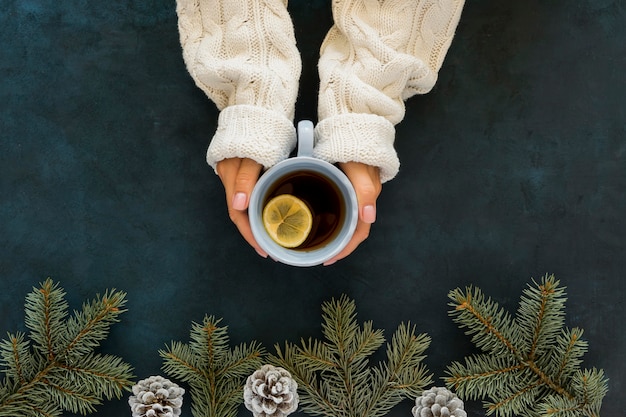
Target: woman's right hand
column 239, row 175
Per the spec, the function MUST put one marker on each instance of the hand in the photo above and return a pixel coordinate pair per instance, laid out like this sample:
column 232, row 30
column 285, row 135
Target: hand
column 239, row 175
column 366, row 182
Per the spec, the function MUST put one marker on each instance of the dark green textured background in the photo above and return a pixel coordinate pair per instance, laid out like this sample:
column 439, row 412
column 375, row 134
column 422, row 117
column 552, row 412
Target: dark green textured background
column 512, row 167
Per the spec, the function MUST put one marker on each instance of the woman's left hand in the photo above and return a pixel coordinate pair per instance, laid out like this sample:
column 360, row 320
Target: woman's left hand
column 366, row 182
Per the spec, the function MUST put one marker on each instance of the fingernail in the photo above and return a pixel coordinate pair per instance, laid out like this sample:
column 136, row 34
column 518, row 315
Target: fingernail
column 261, row 253
column 239, row 201
column 369, row 214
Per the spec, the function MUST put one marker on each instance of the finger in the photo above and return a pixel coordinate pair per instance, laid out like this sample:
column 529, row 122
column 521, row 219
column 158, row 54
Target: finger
column 238, row 177
column 366, row 182
column 227, row 171
column 246, row 178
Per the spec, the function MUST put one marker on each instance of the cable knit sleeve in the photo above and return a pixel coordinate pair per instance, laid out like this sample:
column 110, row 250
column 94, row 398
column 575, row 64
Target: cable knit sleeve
column 377, row 54
column 243, row 55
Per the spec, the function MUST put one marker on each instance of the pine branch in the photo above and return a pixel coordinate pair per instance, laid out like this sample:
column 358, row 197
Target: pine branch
column 491, row 327
column 237, row 362
column 182, row 363
column 77, row 399
column 61, row 370
column 516, row 402
column 26, row 409
column 530, row 365
column 103, row 373
column 590, row 386
column 483, row 375
column 16, row 358
column 403, row 375
column 404, row 356
column 316, row 354
column 46, row 310
column 540, row 316
column 87, row 328
column 555, row 406
column 305, row 372
column 334, row 374
column 567, row 354
column 339, row 324
column 215, row 372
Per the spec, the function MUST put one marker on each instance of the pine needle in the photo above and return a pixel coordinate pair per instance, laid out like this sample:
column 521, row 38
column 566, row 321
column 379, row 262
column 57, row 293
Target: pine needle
column 55, row 367
column 529, row 365
column 215, row 373
column 334, row 375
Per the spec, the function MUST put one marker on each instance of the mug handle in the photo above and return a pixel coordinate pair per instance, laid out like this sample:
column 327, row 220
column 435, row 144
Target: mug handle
column 305, row 138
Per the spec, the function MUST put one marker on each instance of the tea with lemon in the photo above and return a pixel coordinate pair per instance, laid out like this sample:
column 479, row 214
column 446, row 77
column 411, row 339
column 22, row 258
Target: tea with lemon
column 303, row 210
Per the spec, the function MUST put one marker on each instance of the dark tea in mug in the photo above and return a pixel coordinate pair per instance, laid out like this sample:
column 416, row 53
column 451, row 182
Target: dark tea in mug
column 323, row 198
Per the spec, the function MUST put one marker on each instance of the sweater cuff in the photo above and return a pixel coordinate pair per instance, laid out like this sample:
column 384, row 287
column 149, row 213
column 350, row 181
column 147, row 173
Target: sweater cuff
column 246, row 131
column 364, row 138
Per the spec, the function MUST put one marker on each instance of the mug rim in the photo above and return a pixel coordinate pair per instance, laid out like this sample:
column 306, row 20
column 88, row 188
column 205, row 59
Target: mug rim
column 318, row 255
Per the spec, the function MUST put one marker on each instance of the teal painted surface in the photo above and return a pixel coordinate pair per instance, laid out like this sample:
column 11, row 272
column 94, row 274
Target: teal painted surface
column 513, row 166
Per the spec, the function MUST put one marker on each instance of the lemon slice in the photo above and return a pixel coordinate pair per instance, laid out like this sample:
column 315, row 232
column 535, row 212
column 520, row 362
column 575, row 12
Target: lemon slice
column 288, row 220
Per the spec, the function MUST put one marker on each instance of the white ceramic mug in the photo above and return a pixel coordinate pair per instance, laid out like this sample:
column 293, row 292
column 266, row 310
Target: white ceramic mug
column 342, row 196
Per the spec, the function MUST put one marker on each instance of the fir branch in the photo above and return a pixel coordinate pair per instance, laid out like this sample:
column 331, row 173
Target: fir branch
column 404, row 356
column 103, row 373
column 540, row 316
column 516, row 402
column 52, row 375
column 334, row 375
column 403, row 375
column 88, row 327
column 26, row 409
column 317, row 391
column 76, row 398
column 366, row 342
column 339, row 324
column 556, row 406
column 490, row 326
column 567, row 354
column 483, row 375
column 236, row 363
column 46, row 310
column 589, row 386
column 316, row 354
column 215, row 373
column 530, row 365
column 15, row 357
column 181, row 362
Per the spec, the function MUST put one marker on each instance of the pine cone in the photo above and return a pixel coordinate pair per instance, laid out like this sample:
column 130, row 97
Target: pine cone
column 271, row 392
column 438, row 402
column 156, row 397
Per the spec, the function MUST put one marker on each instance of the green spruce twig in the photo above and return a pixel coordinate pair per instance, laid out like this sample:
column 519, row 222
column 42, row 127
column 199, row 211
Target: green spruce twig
column 55, row 368
column 215, row 373
column 334, row 375
column 530, row 363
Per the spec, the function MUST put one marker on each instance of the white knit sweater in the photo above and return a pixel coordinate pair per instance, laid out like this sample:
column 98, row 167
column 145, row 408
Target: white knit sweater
column 243, row 55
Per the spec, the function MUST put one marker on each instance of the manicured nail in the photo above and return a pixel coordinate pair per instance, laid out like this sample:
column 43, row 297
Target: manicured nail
column 261, row 253
column 239, row 201
column 369, row 214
